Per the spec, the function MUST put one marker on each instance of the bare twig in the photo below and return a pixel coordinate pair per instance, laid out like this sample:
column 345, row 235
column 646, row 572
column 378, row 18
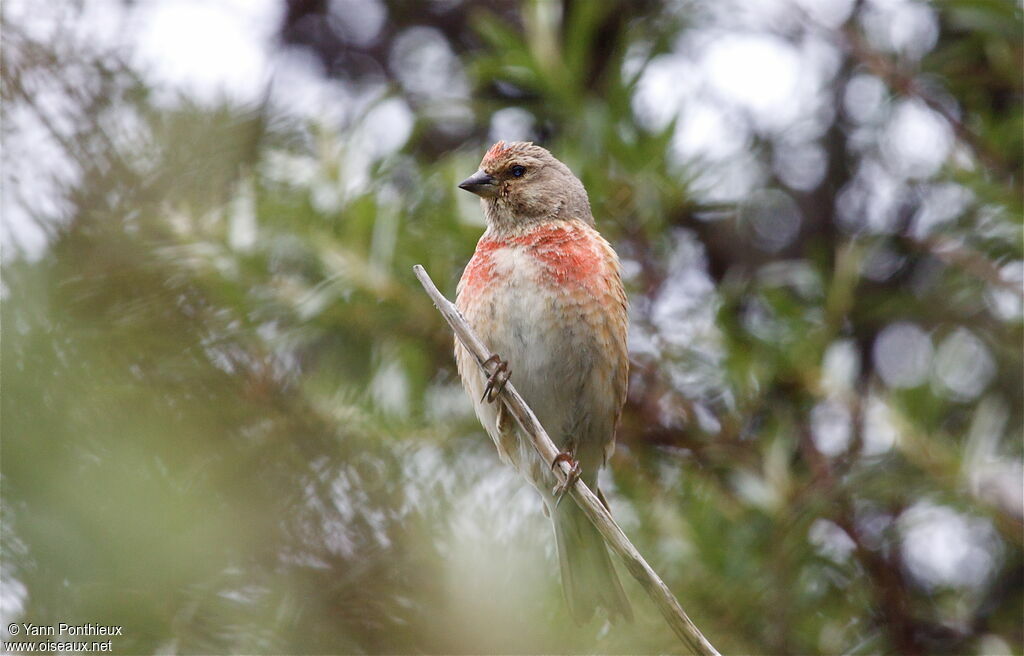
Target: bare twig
column 587, row 501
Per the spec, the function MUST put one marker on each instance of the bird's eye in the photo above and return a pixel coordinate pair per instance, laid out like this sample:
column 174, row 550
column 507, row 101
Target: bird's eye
column 518, row 171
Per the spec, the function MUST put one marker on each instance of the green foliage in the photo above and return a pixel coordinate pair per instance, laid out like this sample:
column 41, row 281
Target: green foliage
column 231, row 420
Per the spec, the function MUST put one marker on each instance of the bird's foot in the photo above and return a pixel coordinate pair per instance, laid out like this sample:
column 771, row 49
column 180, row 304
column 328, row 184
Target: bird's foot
column 570, row 479
column 499, row 374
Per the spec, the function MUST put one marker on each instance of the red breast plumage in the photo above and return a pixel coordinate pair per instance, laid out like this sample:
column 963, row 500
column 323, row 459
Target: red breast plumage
column 571, row 257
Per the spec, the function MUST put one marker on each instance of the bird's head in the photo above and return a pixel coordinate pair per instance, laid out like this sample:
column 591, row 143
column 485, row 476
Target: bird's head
column 520, row 183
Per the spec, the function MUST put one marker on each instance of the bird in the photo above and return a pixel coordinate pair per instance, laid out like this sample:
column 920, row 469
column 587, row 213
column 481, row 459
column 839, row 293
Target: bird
column 544, row 292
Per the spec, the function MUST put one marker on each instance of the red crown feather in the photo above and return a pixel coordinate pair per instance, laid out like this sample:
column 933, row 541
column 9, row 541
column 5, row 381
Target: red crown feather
column 495, row 151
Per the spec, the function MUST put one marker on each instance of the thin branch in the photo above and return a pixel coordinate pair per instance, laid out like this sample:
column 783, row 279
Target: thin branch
column 973, row 262
column 907, row 85
column 581, row 494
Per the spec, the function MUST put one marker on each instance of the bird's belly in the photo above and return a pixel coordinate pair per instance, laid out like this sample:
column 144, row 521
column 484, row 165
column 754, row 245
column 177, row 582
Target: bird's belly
column 552, row 346
column 535, row 332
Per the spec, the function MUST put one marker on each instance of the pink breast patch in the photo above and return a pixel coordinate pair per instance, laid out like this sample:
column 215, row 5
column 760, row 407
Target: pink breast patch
column 569, row 258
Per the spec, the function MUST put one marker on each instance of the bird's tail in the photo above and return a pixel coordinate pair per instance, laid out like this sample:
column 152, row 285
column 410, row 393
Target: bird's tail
column 588, row 578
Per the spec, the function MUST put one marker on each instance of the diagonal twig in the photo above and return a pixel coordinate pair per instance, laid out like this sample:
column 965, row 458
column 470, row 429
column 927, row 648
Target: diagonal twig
column 581, row 494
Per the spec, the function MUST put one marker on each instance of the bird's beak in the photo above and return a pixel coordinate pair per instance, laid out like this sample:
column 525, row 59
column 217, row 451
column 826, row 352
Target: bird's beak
column 481, row 184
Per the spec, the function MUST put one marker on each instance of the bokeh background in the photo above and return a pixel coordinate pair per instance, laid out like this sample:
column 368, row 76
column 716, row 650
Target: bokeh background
column 230, row 416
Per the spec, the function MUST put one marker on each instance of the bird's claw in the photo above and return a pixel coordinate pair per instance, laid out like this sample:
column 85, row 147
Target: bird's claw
column 570, row 479
column 496, row 381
